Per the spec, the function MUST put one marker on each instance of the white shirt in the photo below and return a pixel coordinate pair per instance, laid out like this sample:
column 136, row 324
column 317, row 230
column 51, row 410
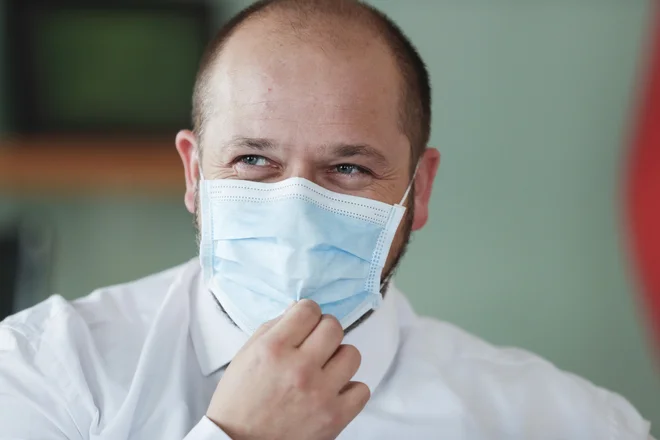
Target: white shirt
column 142, row 360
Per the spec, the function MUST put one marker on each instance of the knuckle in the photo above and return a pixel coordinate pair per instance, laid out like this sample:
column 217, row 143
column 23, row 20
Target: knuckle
column 317, row 401
column 353, row 353
column 334, row 418
column 271, row 350
column 363, row 393
column 333, row 326
column 331, row 416
column 264, row 327
column 309, row 307
column 301, row 378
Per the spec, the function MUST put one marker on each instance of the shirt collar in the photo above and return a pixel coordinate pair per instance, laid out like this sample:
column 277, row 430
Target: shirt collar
column 216, row 340
column 377, row 339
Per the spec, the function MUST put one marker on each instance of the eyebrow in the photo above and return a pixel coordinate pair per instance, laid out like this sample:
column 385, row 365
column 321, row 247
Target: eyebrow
column 367, row 151
column 259, row 144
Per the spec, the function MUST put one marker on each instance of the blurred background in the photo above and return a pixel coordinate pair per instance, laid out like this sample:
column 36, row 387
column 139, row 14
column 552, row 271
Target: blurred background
column 536, row 112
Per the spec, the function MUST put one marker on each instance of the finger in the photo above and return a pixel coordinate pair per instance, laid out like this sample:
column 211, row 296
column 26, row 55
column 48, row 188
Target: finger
column 324, row 340
column 341, row 368
column 262, row 330
column 296, row 324
column 353, row 399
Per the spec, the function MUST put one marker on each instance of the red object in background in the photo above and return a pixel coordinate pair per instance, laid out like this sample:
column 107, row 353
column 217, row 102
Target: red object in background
column 644, row 188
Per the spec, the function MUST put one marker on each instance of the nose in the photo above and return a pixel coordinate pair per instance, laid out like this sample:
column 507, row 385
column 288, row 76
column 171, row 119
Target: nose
column 302, row 168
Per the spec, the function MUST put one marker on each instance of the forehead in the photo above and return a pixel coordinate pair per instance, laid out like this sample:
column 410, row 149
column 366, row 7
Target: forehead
column 301, row 92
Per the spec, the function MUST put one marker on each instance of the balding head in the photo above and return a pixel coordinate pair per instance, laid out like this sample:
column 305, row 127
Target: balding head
column 344, row 27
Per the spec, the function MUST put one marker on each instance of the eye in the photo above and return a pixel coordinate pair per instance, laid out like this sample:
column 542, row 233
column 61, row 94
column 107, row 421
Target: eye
column 254, row 160
column 349, row 169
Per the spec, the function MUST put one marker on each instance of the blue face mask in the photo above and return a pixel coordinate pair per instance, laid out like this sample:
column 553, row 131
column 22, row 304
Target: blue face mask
column 266, row 245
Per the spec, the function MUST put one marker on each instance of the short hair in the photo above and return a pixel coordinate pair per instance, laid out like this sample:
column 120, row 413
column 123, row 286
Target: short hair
column 415, row 93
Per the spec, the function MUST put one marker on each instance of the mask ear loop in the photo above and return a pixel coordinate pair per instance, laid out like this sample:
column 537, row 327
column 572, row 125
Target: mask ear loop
column 410, row 185
column 386, row 281
column 199, row 167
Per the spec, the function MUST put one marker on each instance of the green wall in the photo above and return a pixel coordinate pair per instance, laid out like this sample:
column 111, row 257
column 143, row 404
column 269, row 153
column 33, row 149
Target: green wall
column 3, row 115
column 525, row 243
column 524, row 246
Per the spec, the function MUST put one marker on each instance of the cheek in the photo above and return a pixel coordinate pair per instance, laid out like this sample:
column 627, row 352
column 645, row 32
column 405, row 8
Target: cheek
column 400, row 241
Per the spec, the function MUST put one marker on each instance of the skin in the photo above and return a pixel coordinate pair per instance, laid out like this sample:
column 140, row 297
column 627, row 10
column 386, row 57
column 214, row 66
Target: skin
column 283, row 107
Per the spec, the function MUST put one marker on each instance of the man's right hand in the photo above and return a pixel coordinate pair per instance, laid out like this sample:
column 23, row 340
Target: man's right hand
column 291, row 380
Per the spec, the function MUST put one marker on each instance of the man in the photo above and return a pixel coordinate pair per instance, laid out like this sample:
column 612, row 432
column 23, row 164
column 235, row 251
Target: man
column 311, row 123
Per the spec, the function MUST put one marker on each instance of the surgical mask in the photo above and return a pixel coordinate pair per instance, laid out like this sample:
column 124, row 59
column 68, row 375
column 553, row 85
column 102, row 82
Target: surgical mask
column 266, row 245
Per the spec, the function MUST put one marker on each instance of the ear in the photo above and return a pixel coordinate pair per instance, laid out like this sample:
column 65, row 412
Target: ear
column 428, row 166
column 186, row 145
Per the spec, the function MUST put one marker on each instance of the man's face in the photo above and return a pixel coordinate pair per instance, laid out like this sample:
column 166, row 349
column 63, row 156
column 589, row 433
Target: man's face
column 282, row 108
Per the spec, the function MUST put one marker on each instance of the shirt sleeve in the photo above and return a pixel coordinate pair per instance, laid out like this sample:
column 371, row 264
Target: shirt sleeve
column 31, row 405
column 206, row 430
column 625, row 421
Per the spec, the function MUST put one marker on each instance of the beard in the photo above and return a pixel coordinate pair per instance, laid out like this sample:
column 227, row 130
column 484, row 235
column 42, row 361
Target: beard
column 397, row 251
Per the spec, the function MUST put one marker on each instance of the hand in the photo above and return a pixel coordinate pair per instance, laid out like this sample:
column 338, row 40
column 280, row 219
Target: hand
column 291, row 381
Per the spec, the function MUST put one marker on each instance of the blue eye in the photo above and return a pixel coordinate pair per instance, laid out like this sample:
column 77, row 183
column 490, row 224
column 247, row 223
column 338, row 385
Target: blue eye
column 349, row 169
column 253, row 160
